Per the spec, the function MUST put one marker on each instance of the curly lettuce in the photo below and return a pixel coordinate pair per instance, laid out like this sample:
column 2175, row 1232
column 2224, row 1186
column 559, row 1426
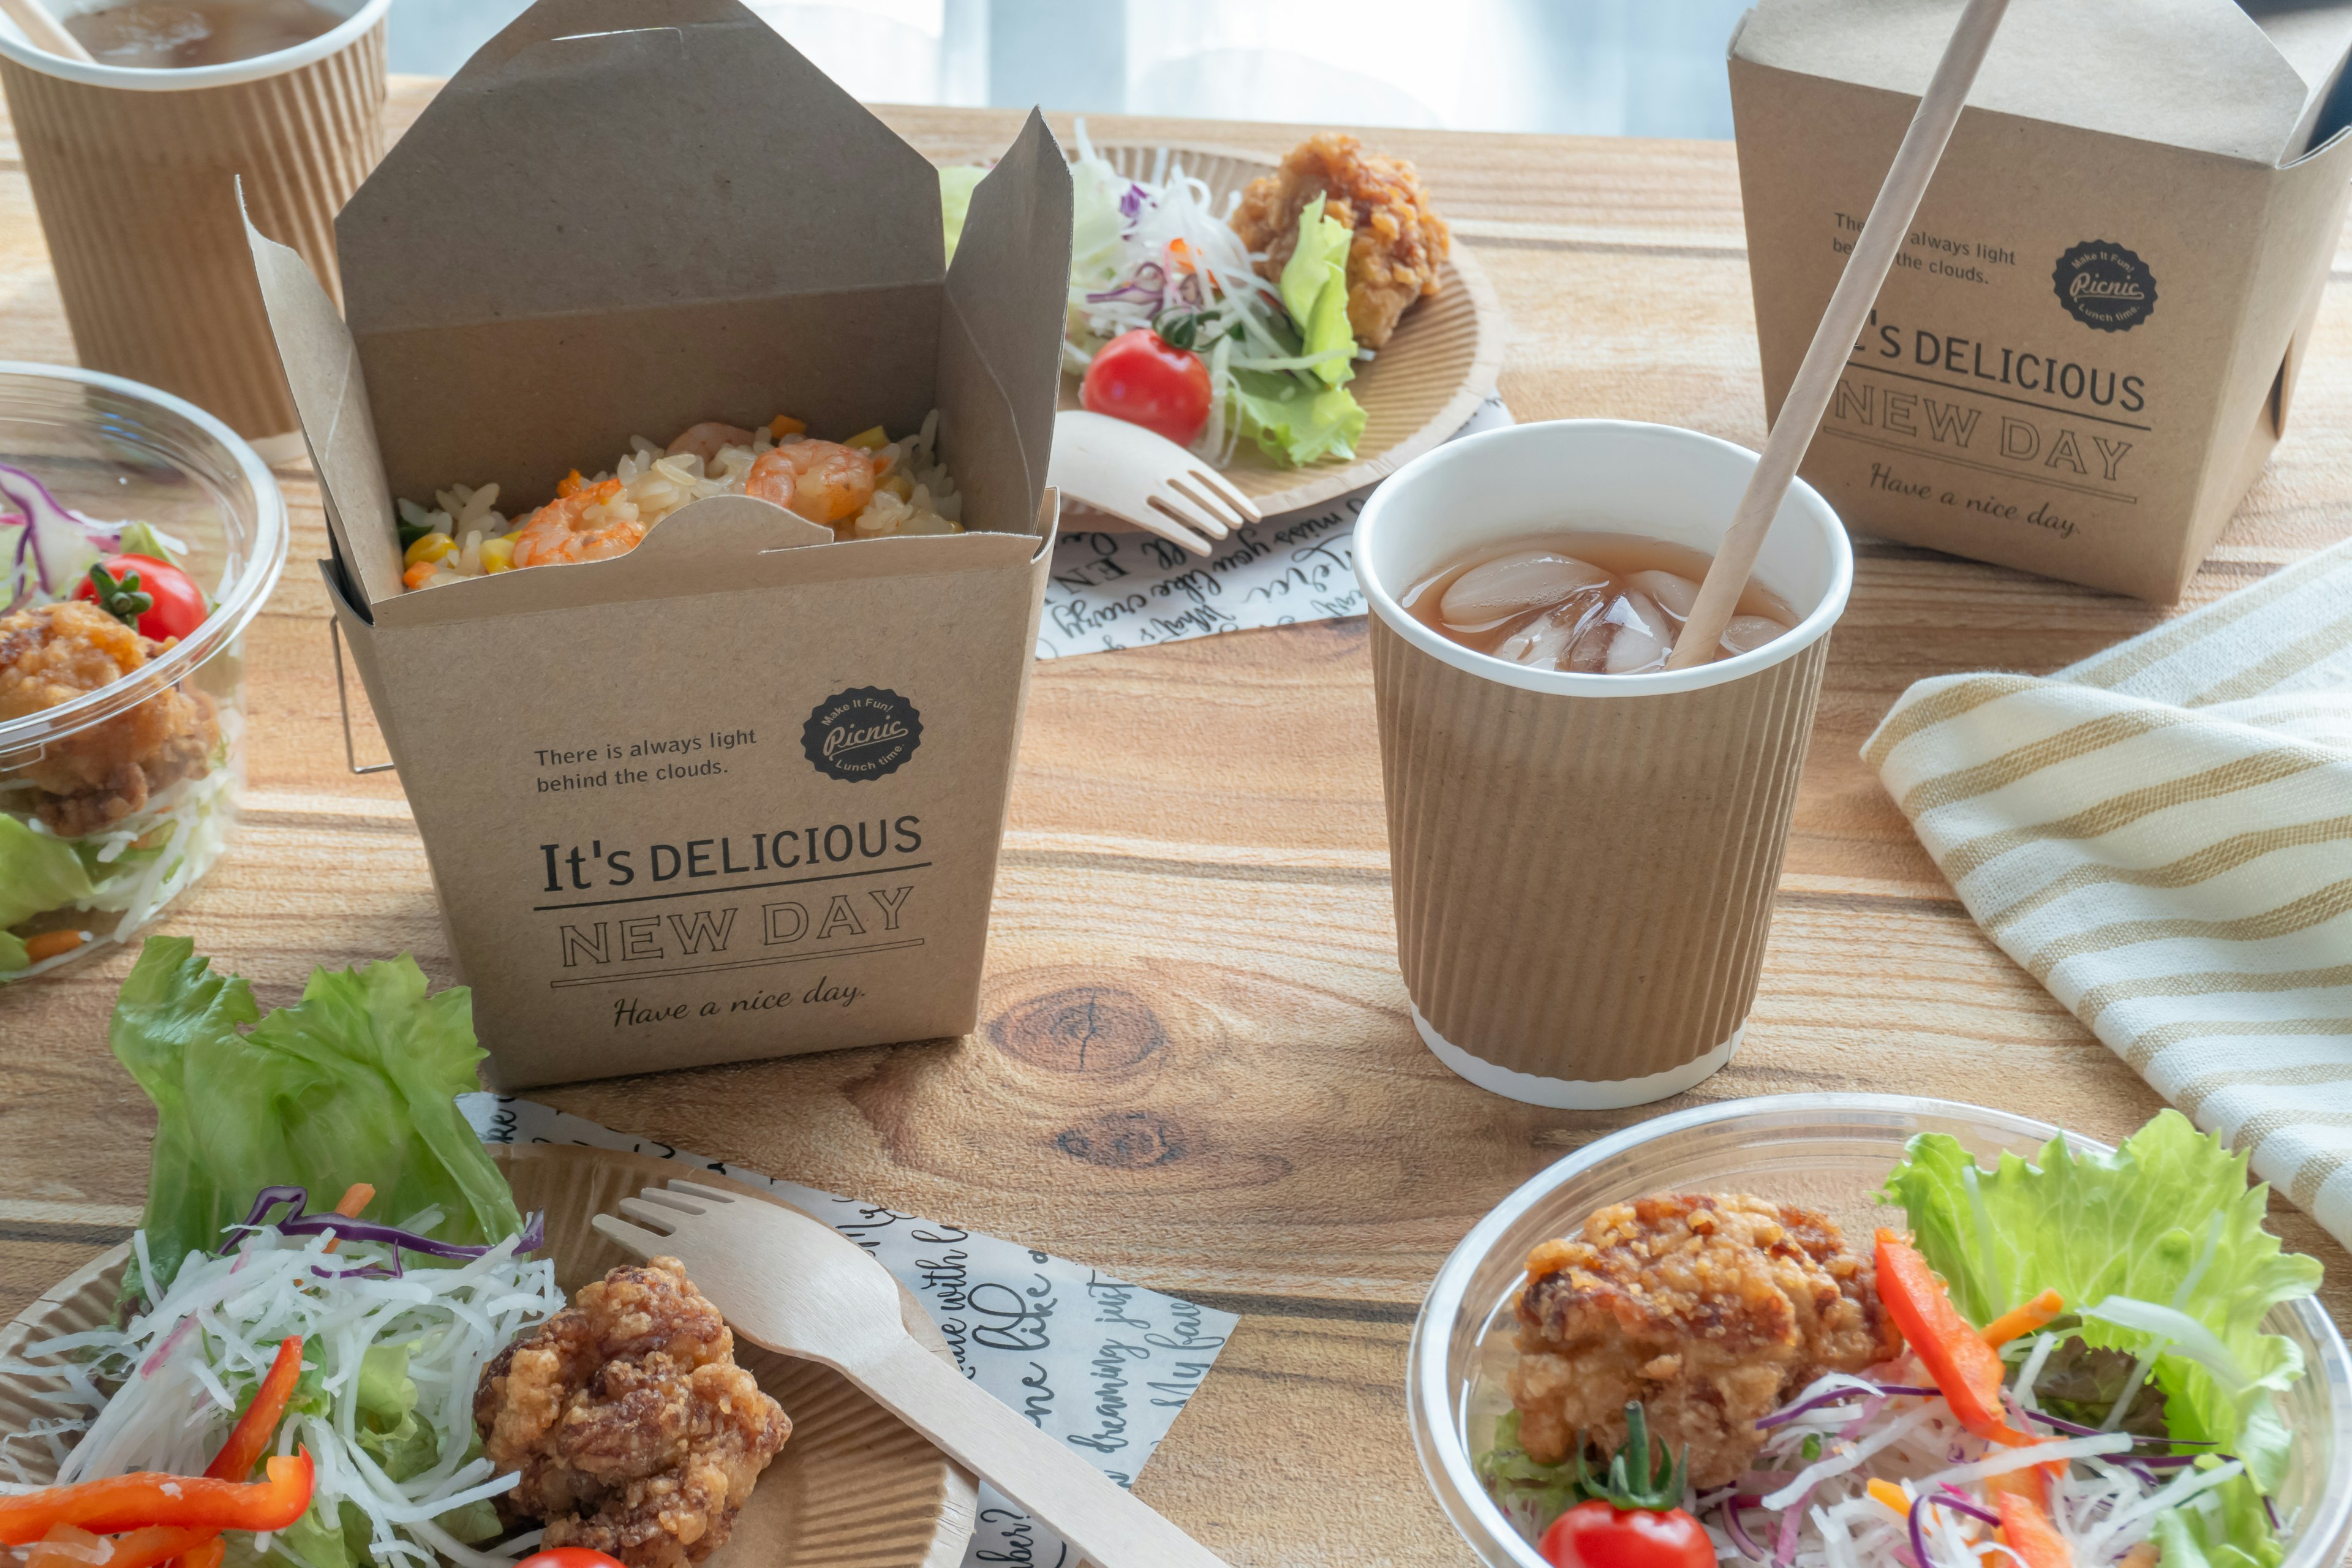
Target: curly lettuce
column 356, row 1082
column 2159, row 1246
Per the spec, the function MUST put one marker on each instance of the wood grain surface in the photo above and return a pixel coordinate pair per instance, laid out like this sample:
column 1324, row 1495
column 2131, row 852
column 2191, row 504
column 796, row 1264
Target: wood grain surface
column 1195, row 1067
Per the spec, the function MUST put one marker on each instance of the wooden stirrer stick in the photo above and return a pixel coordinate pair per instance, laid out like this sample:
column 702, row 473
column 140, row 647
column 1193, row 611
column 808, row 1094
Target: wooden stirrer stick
column 1842, row 323
column 44, row 31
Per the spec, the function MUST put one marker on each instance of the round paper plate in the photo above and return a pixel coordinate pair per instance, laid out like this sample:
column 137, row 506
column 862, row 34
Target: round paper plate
column 1436, row 369
column 853, row 1487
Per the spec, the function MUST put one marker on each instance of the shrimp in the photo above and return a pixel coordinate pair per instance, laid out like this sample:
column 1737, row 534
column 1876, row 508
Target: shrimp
column 705, row 439
column 560, row 530
column 822, row 480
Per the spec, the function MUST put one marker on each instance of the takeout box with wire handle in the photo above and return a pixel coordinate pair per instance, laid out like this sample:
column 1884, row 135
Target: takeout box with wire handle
column 739, row 792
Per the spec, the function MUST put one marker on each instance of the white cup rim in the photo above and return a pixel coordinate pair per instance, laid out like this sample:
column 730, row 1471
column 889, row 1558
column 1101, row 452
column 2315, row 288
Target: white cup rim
column 159, row 79
column 1384, row 603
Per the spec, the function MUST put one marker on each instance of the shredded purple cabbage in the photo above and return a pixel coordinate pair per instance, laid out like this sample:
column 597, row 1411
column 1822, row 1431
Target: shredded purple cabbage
column 534, row 1231
column 1839, row 1396
column 1949, row 1499
column 56, row 539
column 1734, row 1528
column 2077, row 1429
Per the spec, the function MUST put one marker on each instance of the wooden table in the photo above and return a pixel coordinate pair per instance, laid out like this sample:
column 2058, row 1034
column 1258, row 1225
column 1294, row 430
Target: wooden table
column 1196, row 1068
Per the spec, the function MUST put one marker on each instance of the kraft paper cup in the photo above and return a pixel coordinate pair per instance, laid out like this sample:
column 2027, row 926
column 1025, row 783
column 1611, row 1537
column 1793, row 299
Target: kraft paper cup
column 135, row 173
column 1584, row 865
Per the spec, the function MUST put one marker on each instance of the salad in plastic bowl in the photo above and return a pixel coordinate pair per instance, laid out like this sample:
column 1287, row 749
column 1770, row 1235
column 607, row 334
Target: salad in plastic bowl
column 138, row 538
column 1847, row 1332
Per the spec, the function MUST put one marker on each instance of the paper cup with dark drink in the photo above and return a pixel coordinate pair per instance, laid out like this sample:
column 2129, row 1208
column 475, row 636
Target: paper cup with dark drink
column 135, row 160
column 1584, row 861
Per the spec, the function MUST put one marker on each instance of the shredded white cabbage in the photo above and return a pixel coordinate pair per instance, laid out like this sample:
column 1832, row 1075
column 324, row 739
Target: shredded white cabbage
column 162, row 1391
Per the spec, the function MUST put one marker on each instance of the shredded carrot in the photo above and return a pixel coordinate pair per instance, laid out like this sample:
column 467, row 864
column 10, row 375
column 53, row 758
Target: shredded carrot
column 356, row 1198
column 1890, row 1494
column 2023, row 1320
column 49, row 944
column 2141, row 1556
column 67, row 1546
column 785, row 424
column 1181, row 255
column 209, row 1555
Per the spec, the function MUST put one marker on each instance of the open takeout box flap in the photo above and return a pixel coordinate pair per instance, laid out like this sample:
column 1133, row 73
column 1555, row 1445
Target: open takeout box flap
column 750, row 240
column 1009, row 288
column 2197, row 74
column 331, row 400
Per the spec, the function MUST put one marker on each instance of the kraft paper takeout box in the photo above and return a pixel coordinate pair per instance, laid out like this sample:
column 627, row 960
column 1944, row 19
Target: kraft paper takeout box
column 739, row 792
column 2089, row 343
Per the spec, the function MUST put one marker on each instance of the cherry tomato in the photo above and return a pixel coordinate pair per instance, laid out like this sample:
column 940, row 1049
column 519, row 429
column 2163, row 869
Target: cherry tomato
column 1595, row 1535
column 1138, row 377
column 178, row 606
column 570, row 1557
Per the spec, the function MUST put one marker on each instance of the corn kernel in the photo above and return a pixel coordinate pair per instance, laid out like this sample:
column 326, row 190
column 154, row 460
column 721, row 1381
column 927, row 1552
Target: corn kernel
column 497, row 554
column 430, row 547
column 785, row 424
column 869, row 440
column 900, row 485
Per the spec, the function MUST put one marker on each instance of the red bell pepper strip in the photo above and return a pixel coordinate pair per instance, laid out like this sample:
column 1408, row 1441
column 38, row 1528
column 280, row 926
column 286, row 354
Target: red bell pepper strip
column 119, row 1503
column 250, row 1438
column 1968, row 1372
column 2030, row 1535
column 155, row 1546
column 65, row 1546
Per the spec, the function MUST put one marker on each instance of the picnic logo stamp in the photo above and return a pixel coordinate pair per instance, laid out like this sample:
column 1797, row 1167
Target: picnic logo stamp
column 865, row 732
column 2104, row 287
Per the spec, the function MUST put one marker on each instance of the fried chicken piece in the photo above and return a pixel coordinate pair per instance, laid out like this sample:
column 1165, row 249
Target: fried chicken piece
column 52, row 653
column 1392, row 261
column 1711, row 1310
column 636, row 1433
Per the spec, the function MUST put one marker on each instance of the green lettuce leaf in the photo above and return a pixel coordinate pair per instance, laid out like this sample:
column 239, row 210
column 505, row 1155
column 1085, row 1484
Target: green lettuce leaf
column 2165, row 1228
column 1314, row 291
column 1293, row 422
column 354, row 1083
column 37, row 873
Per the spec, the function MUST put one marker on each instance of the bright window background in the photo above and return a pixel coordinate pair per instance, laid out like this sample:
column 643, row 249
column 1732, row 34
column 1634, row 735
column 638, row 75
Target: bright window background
column 1630, row 67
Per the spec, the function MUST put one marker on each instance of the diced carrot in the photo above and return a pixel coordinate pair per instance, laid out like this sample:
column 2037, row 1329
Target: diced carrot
column 50, row 945
column 785, row 424
column 356, row 1196
column 570, row 485
column 2023, row 1320
column 416, row 577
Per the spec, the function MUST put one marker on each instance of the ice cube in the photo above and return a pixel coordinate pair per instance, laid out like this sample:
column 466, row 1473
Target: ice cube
column 1546, row 637
column 1749, row 632
column 1673, row 593
column 1490, row 593
column 1643, row 639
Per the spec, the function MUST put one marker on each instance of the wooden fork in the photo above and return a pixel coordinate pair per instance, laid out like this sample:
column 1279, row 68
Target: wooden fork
column 1148, row 479
column 794, row 1285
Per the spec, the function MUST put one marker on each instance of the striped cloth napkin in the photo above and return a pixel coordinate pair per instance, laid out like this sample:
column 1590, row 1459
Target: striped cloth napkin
column 2162, row 835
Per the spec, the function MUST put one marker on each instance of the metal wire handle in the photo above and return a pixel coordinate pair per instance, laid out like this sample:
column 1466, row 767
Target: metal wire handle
column 343, row 701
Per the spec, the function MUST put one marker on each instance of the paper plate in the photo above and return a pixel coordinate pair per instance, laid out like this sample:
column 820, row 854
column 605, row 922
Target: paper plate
column 854, row 1488
column 1436, row 369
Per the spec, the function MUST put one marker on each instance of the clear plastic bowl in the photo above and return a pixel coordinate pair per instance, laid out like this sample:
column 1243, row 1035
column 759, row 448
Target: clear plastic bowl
column 118, row 451
column 1829, row 1152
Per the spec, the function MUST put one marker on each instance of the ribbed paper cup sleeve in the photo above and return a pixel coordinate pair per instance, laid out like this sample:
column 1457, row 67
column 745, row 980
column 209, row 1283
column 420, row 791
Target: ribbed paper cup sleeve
column 137, row 195
column 1583, row 884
